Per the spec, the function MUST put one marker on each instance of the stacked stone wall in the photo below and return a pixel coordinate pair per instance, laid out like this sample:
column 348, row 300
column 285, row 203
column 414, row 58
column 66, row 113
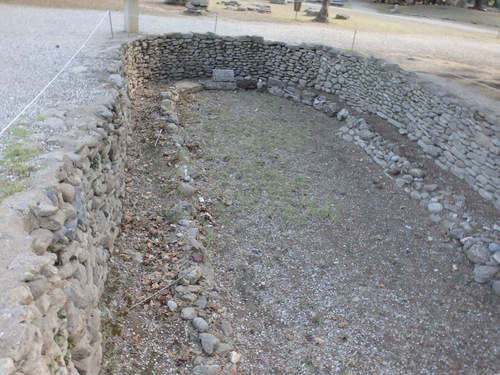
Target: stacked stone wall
column 56, row 238
column 462, row 139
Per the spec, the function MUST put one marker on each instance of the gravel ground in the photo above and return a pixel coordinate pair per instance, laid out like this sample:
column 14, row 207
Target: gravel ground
column 37, row 47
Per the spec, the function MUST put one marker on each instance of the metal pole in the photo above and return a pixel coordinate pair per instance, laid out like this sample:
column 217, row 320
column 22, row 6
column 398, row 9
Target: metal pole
column 110, row 23
column 216, row 18
column 353, row 39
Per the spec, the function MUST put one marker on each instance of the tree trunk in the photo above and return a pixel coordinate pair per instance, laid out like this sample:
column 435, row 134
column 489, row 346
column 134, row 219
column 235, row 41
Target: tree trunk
column 477, row 4
column 323, row 13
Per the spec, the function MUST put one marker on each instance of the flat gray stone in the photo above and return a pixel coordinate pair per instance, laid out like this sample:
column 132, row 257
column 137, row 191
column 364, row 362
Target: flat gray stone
column 478, row 253
column 417, row 172
column 496, row 287
column 494, row 247
column 342, row 115
column 209, row 85
column 223, row 75
column 206, row 370
column 201, row 302
column 200, row 324
column 188, row 313
column 483, row 140
column 366, row 135
column 483, row 274
column 186, row 189
column 227, row 329
column 435, row 207
column 188, row 87
column 209, row 343
column 456, row 233
column 172, row 306
column 341, row 16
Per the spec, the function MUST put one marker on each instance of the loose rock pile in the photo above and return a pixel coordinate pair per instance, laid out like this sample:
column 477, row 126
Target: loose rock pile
column 196, row 280
column 197, row 7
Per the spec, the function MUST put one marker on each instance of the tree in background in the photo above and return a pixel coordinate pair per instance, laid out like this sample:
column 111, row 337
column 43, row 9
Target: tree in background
column 323, row 12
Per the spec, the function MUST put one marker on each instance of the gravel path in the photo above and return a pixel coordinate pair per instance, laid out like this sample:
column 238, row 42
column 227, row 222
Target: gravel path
column 40, row 41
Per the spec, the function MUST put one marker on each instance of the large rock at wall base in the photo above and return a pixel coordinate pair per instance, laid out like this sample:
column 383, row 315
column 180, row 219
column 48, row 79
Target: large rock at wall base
column 331, row 108
column 209, row 85
column 274, row 90
column 247, row 84
column 188, row 87
column 478, row 253
column 483, row 274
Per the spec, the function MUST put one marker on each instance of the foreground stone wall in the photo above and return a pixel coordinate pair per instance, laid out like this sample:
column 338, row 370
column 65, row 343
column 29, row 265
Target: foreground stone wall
column 462, row 139
column 55, row 241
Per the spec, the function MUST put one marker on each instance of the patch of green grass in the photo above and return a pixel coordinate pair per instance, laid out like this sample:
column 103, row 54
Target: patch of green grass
column 111, row 366
column 8, row 188
column 96, row 162
column 130, row 281
column 15, row 168
column 250, row 159
column 111, row 353
column 17, row 154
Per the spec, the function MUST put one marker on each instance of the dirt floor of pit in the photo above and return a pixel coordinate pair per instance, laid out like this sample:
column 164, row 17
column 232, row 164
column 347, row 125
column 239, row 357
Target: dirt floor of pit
column 321, row 265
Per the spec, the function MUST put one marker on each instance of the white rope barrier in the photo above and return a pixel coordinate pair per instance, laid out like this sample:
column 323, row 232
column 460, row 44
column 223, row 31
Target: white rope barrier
column 55, row 77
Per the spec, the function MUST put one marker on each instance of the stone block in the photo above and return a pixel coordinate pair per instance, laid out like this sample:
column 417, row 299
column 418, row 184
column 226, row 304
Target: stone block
column 210, row 85
column 223, row 75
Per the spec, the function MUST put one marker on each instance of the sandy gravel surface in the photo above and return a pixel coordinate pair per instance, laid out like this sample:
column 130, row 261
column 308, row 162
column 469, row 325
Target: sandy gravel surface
column 37, row 42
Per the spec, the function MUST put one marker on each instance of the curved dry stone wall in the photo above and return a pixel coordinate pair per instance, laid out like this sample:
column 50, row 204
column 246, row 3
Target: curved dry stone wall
column 55, row 240
column 463, row 140
column 56, row 237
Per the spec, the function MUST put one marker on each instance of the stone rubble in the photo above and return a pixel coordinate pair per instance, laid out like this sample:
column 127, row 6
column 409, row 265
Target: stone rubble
column 196, row 279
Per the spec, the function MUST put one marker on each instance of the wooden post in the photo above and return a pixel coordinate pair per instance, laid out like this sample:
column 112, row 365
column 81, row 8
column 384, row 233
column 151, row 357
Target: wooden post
column 131, row 10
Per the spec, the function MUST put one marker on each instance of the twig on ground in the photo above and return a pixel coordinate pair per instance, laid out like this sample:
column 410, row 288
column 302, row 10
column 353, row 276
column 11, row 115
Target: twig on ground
column 155, row 294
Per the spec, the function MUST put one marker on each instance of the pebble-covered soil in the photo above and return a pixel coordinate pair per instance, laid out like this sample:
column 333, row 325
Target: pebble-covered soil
column 321, row 265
